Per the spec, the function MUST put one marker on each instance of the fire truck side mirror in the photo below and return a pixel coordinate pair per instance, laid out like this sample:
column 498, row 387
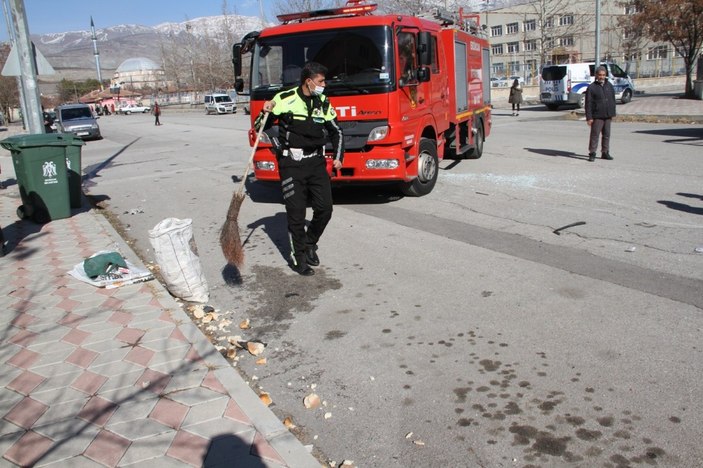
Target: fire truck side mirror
column 423, row 74
column 424, row 50
column 237, row 59
column 239, row 85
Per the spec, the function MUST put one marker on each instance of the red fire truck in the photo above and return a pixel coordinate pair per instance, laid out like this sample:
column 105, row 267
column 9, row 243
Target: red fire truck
column 408, row 90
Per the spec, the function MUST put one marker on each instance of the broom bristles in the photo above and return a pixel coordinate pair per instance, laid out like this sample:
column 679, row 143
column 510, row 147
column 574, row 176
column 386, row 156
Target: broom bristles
column 230, row 242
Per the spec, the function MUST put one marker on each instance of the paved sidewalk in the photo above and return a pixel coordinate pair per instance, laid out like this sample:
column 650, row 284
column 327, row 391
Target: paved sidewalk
column 114, row 377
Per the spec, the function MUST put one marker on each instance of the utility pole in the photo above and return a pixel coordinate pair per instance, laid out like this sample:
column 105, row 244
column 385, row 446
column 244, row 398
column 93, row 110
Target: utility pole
column 597, row 59
column 11, row 35
column 28, row 73
column 96, row 53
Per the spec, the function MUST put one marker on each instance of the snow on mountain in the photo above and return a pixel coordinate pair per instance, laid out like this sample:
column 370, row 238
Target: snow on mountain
column 72, row 51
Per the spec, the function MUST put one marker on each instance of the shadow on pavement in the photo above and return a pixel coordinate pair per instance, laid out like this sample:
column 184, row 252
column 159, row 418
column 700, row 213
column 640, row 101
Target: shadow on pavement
column 686, row 135
column 553, row 152
column 231, row 450
column 697, row 210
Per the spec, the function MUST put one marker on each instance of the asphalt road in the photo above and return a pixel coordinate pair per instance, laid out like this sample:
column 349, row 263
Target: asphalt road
column 456, row 329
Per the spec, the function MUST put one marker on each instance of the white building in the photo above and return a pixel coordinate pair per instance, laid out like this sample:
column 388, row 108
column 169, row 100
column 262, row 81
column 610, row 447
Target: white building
column 139, row 73
column 527, row 36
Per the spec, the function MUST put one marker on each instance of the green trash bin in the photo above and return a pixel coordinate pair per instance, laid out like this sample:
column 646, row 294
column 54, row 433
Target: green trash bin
column 75, row 170
column 40, row 163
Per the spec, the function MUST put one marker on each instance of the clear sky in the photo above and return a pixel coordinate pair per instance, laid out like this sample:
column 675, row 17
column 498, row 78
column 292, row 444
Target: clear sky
column 47, row 16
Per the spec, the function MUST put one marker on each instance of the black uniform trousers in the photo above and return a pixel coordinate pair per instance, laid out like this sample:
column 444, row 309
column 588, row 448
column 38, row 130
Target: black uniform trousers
column 303, row 181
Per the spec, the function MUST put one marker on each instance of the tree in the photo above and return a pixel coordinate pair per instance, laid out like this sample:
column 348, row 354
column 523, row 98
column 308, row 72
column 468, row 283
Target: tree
column 70, row 91
column 678, row 22
column 9, row 94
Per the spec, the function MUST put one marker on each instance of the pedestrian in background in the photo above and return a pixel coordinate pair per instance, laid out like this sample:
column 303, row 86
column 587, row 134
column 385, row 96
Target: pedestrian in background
column 600, row 110
column 515, row 97
column 157, row 113
column 306, row 120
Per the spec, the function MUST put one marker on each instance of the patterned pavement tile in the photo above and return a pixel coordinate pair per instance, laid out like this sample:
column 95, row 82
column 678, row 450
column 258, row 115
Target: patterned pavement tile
column 66, row 409
column 65, row 449
column 124, row 380
column 233, row 411
column 24, row 359
column 130, row 336
column 82, row 357
column 28, row 449
column 140, row 429
column 108, row 351
column 139, row 355
column 57, row 376
column 169, row 413
column 75, row 462
column 75, row 337
column 212, row 410
column 213, row 383
column 189, row 448
column 213, row 428
column 133, row 411
column 8, row 399
column 143, row 451
column 263, row 449
column 107, row 448
column 71, row 320
column 21, row 337
column 59, row 352
column 97, row 411
column 176, row 351
column 153, row 381
column 89, row 382
column 227, row 447
column 8, row 374
column 26, row 382
column 60, row 395
column 48, row 335
column 26, row 412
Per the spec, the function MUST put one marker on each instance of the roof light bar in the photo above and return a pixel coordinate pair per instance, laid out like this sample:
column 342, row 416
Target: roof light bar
column 356, row 9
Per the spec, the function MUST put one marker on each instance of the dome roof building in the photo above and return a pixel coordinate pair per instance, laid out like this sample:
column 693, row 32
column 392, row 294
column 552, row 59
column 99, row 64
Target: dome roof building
column 139, row 73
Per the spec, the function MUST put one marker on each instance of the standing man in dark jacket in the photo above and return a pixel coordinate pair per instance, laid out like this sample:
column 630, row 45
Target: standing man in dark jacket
column 306, row 120
column 600, row 110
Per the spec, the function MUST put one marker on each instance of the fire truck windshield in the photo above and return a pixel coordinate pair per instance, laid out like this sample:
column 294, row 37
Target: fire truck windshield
column 358, row 60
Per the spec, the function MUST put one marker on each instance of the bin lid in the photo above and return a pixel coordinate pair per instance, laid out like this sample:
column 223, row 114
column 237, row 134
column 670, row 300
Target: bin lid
column 17, row 142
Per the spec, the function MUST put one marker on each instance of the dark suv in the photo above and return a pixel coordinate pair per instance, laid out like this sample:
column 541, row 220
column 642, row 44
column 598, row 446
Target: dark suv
column 77, row 119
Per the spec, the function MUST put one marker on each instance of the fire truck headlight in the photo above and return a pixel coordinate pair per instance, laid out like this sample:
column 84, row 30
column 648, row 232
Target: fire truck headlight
column 265, row 165
column 378, row 133
column 264, row 138
column 382, row 164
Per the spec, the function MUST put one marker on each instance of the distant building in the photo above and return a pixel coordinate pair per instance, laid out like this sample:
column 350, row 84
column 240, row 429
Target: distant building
column 139, row 73
column 526, row 36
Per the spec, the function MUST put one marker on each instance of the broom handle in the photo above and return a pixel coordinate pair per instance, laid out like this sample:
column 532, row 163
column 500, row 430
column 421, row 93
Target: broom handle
column 253, row 151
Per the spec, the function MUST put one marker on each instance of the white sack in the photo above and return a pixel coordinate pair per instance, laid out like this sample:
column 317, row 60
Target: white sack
column 176, row 254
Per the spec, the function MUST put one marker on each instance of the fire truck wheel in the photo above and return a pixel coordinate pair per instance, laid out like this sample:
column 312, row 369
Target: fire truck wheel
column 427, row 170
column 477, row 151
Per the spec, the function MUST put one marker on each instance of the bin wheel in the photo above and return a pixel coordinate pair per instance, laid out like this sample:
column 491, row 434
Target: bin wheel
column 22, row 212
column 40, row 217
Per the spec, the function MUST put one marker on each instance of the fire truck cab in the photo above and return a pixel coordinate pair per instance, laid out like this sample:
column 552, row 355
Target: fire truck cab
column 408, row 91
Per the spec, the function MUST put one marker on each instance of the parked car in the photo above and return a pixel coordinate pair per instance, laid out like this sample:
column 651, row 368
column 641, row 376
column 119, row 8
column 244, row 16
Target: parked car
column 77, row 119
column 133, row 109
column 219, row 103
column 499, row 82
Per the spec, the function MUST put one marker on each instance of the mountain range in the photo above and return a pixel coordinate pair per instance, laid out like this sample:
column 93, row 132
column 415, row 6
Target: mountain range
column 71, row 53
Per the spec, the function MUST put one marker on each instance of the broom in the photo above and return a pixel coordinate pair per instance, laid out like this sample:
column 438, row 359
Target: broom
column 230, row 242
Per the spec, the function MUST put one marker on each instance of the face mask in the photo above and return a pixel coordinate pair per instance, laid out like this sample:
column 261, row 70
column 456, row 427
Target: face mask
column 317, row 90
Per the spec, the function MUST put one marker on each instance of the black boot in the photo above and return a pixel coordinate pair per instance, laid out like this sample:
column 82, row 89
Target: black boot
column 607, row 156
column 303, row 269
column 311, row 255
column 591, row 157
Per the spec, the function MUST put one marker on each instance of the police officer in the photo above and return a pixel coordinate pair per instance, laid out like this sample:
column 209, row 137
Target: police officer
column 306, row 120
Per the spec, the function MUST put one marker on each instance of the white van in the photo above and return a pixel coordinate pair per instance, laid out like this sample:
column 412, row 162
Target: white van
column 219, row 103
column 567, row 83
